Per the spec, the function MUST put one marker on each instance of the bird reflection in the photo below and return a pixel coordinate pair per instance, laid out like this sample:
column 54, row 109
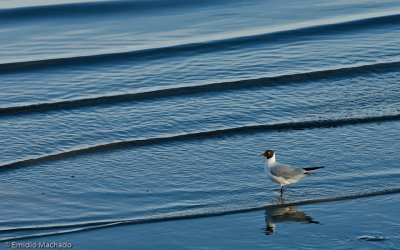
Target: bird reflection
column 276, row 215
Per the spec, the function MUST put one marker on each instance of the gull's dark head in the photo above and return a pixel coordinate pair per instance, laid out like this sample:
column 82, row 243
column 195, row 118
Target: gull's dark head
column 268, row 154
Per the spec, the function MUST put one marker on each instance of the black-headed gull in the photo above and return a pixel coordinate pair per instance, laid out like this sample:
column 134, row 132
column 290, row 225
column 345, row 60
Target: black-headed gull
column 284, row 174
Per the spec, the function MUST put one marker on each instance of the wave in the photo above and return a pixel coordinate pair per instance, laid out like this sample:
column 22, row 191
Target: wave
column 72, row 228
column 197, row 89
column 202, row 46
column 199, row 135
column 70, row 10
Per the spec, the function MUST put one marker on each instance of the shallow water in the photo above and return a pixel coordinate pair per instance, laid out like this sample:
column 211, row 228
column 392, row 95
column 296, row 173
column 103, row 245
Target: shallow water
column 368, row 223
column 127, row 111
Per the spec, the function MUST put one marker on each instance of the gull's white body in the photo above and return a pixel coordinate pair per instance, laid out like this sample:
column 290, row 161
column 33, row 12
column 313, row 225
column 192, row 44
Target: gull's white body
column 272, row 165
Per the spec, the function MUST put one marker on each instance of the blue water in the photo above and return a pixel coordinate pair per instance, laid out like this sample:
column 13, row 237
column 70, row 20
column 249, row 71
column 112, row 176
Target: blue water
column 126, row 111
column 368, row 223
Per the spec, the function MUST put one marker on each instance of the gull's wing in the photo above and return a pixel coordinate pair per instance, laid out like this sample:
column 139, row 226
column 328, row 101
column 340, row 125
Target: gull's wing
column 285, row 171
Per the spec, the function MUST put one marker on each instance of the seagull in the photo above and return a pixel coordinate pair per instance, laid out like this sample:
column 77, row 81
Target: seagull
column 284, row 174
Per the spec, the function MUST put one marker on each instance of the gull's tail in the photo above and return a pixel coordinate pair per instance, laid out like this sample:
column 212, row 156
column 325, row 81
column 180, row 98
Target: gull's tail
column 312, row 168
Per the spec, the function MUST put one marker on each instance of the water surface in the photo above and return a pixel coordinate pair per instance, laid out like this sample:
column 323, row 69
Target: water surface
column 116, row 112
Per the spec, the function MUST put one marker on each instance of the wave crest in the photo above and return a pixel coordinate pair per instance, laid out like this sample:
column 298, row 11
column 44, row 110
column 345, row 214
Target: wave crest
column 79, row 227
column 200, row 135
column 198, row 89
